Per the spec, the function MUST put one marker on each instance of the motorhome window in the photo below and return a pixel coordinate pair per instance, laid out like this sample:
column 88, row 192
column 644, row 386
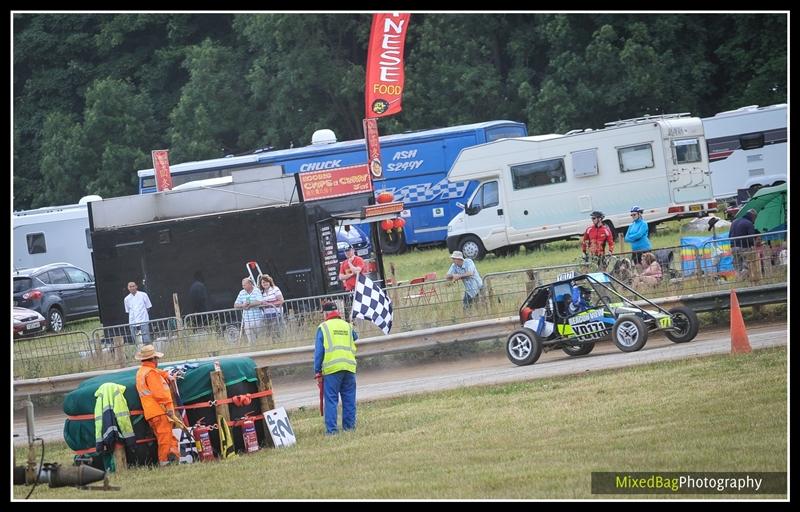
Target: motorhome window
column 88, row 239
column 57, row 276
column 584, row 163
column 537, row 174
column 179, row 179
column 635, row 158
column 149, row 182
column 486, row 196
column 77, row 275
column 687, row 151
column 752, row 141
column 504, row 132
column 36, row 243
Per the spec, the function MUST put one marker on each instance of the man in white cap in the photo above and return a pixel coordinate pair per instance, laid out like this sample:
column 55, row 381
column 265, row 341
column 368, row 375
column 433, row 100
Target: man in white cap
column 463, row 269
column 159, row 411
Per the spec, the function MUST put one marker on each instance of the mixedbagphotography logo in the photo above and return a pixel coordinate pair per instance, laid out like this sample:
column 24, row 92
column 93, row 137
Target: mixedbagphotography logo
column 689, row 483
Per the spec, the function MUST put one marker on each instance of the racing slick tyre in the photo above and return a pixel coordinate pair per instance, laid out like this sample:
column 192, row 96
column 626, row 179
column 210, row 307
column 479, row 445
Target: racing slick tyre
column 472, row 247
column 523, row 347
column 685, row 325
column 578, row 350
column 629, row 333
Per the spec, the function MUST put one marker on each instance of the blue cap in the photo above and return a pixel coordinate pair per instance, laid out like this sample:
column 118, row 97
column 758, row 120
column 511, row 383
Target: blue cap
column 636, row 209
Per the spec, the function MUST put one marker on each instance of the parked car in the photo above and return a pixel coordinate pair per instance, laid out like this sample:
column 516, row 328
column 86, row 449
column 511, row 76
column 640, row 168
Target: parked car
column 28, row 322
column 575, row 311
column 355, row 236
column 59, row 291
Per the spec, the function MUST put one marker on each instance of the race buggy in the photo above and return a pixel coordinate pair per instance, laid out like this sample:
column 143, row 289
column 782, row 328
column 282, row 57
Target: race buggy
column 576, row 311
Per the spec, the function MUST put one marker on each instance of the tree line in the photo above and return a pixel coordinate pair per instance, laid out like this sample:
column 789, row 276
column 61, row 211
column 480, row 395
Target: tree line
column 95, row 93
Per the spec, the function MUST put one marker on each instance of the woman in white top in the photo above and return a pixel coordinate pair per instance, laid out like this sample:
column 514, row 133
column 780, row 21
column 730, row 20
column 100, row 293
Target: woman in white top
column 272, row 299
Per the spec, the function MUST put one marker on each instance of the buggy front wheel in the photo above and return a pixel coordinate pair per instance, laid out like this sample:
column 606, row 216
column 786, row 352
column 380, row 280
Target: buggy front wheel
column 629, row 333
column 523, row 347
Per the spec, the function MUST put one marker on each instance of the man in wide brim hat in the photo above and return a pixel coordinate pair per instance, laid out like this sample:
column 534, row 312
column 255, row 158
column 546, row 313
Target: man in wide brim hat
column 159, row 410
column 147, row 352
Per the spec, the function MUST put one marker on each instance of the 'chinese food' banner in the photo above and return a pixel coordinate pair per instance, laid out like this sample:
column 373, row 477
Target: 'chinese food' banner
column 385, row 75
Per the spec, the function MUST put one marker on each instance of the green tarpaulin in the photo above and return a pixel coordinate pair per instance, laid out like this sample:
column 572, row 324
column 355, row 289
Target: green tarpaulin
column 194, row 387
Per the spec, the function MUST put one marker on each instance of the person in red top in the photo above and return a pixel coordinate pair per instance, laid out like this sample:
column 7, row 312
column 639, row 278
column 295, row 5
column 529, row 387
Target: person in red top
column 153, row 387
column 350, row 268
column 597, row 237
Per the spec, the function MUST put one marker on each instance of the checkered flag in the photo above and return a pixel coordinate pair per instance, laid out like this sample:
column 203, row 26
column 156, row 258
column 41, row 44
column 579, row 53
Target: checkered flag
column 371, row 303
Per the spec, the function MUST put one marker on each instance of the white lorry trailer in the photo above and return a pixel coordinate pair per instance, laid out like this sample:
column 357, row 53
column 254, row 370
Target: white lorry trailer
column 53, row 234
column 747, row 149
column 535, row 189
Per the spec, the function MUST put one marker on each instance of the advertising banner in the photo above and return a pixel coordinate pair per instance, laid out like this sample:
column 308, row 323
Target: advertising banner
column 385, row 73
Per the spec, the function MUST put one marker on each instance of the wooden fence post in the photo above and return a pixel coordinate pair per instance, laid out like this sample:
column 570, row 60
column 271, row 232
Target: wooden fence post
column 220, row 393
column 119, row 351
column 120, row 460
column 267, row 402
column 178, row 317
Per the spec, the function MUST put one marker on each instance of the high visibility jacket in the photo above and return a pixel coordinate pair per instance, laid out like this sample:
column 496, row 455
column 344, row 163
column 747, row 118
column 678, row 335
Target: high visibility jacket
column 153, row 388
column 112, row 419
column 340, row 349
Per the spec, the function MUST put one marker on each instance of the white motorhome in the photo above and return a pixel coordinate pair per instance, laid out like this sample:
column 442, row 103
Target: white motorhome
column 534, row 189
column 53, row 234
column 747, row 149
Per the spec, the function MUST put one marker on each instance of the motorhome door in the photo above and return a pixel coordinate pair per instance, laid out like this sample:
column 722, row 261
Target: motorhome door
column 688, row 175
column 486, row 216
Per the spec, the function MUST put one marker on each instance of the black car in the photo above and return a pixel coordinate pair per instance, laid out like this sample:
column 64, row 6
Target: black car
column 59, row 291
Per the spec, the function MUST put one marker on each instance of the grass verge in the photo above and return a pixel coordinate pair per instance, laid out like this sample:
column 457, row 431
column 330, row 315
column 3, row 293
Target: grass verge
column 526, row 440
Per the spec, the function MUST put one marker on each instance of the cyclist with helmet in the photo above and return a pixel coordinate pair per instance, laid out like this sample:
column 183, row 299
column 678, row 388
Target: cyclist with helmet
column 596, row 238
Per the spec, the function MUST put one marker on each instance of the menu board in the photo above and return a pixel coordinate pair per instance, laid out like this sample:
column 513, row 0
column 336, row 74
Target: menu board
column 330, row 262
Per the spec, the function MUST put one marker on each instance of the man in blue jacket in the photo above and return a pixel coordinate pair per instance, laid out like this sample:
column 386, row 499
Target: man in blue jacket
column 637, row 236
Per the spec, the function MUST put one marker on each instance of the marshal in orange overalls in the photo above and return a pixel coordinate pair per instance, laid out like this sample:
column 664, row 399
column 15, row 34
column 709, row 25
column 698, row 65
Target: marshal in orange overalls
column 153, row 387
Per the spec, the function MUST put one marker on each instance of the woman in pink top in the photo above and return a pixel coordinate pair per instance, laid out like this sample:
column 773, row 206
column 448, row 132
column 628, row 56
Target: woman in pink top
column 273, row 300
column 651, row 275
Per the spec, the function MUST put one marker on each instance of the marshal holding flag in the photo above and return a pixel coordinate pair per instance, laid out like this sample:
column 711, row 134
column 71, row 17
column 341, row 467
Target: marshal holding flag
column 371, row 303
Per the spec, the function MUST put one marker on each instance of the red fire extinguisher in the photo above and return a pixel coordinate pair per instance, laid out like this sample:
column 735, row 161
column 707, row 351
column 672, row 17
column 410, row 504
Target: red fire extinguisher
column 249, row 434
column 203, row 438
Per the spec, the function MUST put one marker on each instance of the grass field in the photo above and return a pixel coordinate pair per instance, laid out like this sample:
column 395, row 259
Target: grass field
column 528, row 440
column 418, row 262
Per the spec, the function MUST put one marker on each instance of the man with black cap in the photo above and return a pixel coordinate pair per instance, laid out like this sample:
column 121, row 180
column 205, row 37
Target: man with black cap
column 335, row 366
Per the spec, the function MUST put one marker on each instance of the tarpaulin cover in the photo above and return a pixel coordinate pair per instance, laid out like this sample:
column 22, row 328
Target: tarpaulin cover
column 194, row 387
column 715, row 255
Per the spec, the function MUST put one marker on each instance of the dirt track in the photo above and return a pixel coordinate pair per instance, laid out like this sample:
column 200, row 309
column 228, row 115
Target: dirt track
column 481, row 369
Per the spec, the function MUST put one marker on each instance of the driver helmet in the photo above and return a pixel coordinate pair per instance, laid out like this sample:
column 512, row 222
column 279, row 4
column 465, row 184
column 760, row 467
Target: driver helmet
column 586, row 293
column 597, row 215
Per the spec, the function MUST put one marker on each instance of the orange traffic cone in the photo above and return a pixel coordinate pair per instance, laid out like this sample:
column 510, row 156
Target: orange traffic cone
column 739, row 342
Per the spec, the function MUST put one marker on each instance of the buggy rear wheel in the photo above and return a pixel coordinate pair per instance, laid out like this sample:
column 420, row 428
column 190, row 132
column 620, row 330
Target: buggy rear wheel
column 685, row 325
column 523, row 347
column 578, row 350
column 629, row 333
